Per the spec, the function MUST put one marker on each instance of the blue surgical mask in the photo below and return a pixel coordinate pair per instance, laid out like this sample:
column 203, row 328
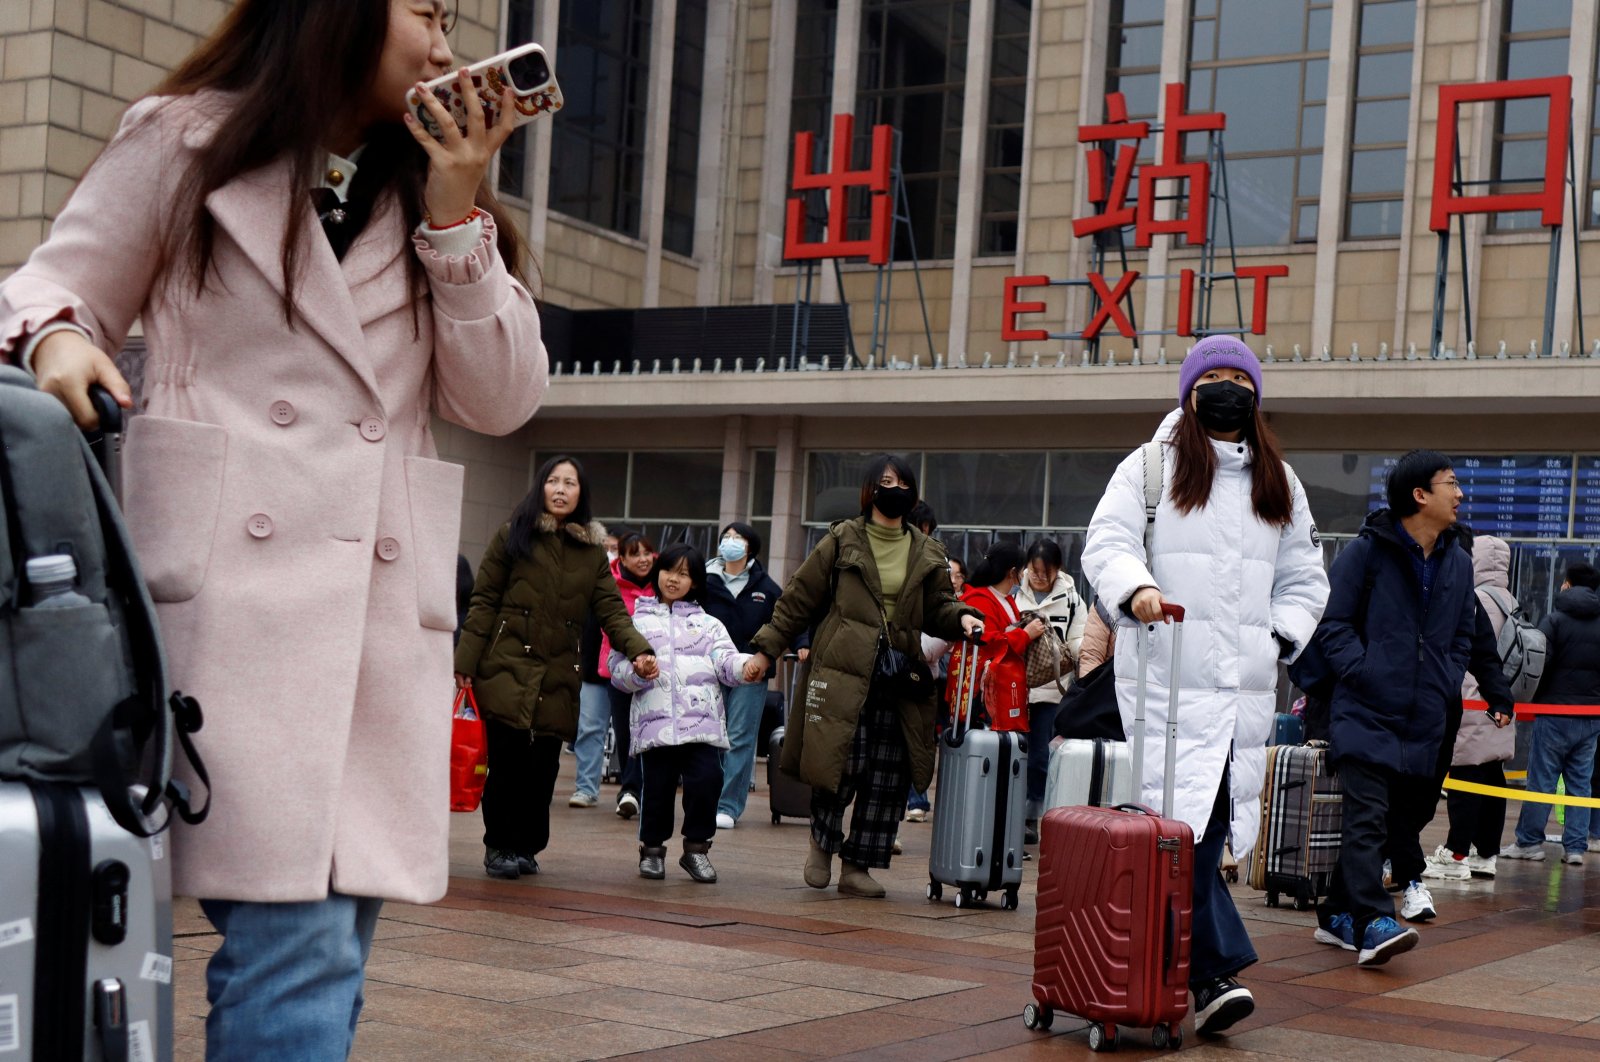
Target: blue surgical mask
column 732, row 550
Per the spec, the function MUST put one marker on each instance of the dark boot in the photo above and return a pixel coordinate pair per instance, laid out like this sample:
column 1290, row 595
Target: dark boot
column 653, row 861
column 697, row 863
column 527, row 864
column 499, row 863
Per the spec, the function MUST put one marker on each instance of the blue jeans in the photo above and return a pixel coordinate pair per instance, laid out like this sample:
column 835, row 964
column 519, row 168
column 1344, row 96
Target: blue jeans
column 286, row 982
column 743, row 705
column 594, row 716
column 918, row 801
column 1564, row 746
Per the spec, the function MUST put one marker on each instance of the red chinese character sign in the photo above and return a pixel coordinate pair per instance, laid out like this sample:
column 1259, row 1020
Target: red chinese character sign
column 1112, row 172
column 837, row 182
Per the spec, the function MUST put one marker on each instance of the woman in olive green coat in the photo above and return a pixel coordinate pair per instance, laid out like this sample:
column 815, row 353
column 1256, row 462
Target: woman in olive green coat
column 851, row 739
column 545, row 571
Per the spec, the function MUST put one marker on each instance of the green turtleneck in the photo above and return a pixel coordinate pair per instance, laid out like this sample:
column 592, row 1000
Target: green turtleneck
column 891, row 550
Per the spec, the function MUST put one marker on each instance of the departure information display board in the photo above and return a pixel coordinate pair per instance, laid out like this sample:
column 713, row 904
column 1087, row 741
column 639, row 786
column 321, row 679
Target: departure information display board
column 1520, row 496
column 1586, row 518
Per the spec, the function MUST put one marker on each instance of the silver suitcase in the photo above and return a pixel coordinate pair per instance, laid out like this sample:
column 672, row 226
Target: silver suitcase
column 1097, row 773
column 85, row 931
column 978, row 804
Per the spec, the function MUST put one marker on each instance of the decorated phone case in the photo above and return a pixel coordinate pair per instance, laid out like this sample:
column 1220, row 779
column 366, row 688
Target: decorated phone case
column 489, row 78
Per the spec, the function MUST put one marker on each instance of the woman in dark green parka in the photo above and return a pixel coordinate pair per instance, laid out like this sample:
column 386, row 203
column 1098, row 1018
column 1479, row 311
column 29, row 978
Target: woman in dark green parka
column 851, row 740
column 541, row 577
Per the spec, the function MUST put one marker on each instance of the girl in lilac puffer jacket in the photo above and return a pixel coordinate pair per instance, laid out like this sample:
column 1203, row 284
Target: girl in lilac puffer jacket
column 677, row 723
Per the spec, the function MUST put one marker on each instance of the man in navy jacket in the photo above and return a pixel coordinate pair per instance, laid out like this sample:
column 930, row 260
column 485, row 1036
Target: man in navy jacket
column 1397, row 633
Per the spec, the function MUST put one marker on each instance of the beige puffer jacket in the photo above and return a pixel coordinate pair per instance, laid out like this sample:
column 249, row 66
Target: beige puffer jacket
column 1479, row 740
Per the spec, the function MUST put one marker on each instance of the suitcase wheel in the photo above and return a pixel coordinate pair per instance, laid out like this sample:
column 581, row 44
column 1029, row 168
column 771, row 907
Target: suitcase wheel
column 1165, row 1037
column 1008, row 902
column 1272, row 898
column 935, row 890
column 1038, row 1017
column 1302, row 904
column 1102, row 1038
column 964, row 898
column 776, row 818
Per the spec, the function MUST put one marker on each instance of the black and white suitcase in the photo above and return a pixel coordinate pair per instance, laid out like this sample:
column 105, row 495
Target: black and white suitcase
column 1302, row 823
column 978, row 804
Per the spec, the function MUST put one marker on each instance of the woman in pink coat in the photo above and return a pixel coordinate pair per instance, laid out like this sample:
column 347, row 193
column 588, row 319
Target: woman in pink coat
column 296, row 530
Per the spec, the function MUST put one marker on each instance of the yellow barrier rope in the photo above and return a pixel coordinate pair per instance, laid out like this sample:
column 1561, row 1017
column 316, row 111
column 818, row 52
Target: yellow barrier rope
column 1522, row 794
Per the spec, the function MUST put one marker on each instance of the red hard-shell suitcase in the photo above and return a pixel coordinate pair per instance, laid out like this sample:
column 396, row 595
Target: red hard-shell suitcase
column 1115, row 895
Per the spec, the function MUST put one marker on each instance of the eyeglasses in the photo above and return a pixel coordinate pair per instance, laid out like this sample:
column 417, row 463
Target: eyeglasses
column 1452, row 482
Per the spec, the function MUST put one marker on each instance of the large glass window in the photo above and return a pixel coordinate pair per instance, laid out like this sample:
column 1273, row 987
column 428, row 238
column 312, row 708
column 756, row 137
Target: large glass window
column 985, row 489
column 811, row 102
column 1004, row 131
column 913, row 77
column 1533, row 43
column 514, row 152
column 683, row 136
column 1133, row 60
column 597, row 154
column 1264, row 63
column 1380, row 117
column 669, row 495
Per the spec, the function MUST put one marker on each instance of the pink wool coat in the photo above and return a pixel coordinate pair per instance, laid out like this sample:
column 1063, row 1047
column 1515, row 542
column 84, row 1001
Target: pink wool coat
column 298, row 534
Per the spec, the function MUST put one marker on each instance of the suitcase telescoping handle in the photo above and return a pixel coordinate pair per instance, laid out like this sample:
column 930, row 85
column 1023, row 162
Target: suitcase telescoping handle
column 1174, row 613
column 966, row 690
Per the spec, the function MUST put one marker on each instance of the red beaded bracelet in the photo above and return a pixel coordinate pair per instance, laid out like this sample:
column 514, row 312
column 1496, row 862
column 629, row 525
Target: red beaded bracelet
column 476, row 213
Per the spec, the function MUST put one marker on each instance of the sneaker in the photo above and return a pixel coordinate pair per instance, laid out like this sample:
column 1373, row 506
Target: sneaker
column 1594, row 844
column 1444, row 865
column 1573, row 859
column 527, row 864
column 1340, row 932
column 1479, row 866
column 897, row 849
column 921, row 815
column 725, row 822
column 1418, row 903
column 582, row 800
column 653, row 861
column 627, row 806
column 1030, row 831
column 1388, row 878
column 1220, row 1004
column 1384, row 940
column 697, row 863
column 499, row 863
column 1514, row 850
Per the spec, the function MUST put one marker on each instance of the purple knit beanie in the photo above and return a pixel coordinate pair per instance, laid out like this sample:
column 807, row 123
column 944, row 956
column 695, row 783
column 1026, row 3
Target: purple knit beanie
column 1217, row 352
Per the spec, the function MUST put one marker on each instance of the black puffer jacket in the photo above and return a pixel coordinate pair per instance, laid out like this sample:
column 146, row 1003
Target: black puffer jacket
column 747, row 613
column 1572, row 667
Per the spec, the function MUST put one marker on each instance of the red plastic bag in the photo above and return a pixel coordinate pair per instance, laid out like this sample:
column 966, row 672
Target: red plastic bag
column 469, row 753
column 1005, row 693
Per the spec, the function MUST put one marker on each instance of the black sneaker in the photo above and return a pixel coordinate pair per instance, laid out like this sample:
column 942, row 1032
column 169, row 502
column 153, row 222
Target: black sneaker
column 1220, row 1004
column 499, row 863
column 527, row 864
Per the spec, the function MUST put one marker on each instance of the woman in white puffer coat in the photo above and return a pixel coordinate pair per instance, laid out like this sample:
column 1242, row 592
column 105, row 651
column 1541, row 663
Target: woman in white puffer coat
column 1234, row 544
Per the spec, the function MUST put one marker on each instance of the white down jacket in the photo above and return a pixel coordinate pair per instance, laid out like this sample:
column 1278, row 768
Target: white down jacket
column 1240, row 581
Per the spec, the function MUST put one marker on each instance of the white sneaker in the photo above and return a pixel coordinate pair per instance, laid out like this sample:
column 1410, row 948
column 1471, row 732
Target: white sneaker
column 1418, row 903
column 1514, row 850
column 724, row 822
column 581, row 800
column 1594, row 844
column 1479, row 866
column 1573, row 859
column 919, row 815
column 1444, row 866
column 627, row 806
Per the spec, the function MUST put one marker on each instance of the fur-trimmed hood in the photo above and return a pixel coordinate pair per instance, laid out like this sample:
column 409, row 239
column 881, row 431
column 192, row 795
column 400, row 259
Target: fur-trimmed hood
column 591, row 534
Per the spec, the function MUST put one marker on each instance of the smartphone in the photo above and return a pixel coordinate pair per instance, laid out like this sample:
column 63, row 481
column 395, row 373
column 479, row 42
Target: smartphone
column 525, row 70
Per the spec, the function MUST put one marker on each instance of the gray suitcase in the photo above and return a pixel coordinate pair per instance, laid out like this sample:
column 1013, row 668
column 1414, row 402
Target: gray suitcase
column 978, row 804
column 1093, row 772
column 788, row 796
column 85, row 930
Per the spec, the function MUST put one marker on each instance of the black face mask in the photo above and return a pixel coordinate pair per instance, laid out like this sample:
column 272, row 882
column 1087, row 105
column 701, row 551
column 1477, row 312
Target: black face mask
column 1224, row 406
column 894, row 502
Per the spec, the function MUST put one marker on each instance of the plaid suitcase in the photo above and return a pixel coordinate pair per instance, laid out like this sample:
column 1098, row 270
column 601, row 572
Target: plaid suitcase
column 1302, row 817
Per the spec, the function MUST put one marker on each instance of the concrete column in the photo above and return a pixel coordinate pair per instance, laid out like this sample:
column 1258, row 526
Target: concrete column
column 1580, row 62
column 715, row 136
column 735, row 503
column 1411, row 242
column 787, row 548
column 1477, row 143
column 846, row 70
column 1335, row 163
column 1029, row 109
column 1174, row 58
column 547, row 28
column 1091, row 108
column 775, row 149
column 974, row 127
column 663, row 25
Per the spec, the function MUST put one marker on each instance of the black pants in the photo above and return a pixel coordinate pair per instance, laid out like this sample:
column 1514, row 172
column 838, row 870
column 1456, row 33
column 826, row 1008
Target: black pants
column 1477, row 820
column 1406, row 823
column 699, row 768
column 516, row 796
column 621, row 706
column 1373, row 800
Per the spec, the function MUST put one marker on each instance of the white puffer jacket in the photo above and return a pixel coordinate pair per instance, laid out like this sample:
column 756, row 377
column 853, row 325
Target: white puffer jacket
column 1067, row 613
column 1240, row 581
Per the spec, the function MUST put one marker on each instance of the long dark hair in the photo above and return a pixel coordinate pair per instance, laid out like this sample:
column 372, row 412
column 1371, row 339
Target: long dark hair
column 1002, row 559
column 525, row 519
column 295, row 69
column 1194, row 466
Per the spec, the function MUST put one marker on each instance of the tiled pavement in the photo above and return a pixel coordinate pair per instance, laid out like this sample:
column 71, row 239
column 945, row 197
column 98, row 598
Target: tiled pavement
column 587, row 960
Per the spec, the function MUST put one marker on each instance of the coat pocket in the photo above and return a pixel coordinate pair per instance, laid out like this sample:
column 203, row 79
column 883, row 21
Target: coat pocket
column 434, row 493
column 171, row 496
